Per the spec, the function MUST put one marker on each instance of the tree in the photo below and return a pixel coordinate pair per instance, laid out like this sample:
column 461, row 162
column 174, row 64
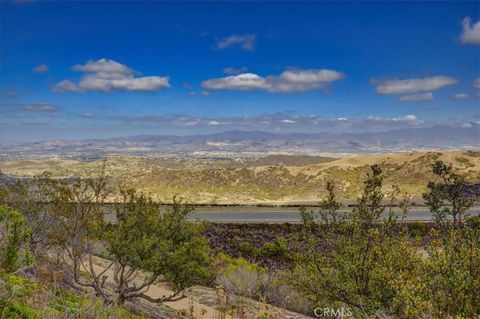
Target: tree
column 162, row 244
column 363, row 261
column 141, row 243
column 33, row 197
column 452, row 271
column 446, row 198
column 13, row 237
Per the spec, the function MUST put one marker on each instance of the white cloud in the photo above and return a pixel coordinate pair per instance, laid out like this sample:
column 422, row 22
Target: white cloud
column 417, row 97
column 205, row 93
column 107, row 75
column 41, row 68
column 408, row 119
column 462, row 96
column 281, row 121
column 246, row 42
column 476, row 83
column 415, row 85
column 287, row 82
column 233, row 71
column 66, row 86
column 470, row 33
column 104, row 66
column 244, row 81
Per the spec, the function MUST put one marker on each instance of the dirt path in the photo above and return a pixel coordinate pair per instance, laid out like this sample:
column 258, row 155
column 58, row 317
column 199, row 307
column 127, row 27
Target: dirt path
column 186, row 305
column 202, row 302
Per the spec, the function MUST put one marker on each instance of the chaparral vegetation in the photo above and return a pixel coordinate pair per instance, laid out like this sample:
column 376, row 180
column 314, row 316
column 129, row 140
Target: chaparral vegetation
column 63, row 254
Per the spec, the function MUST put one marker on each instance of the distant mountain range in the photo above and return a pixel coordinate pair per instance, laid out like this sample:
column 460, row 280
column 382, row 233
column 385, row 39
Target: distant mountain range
column 231, row 144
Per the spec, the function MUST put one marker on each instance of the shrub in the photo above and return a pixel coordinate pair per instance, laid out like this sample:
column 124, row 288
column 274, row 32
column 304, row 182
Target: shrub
column 364, row 261
column 372, row 265
column 13, row 237
column 239, row 277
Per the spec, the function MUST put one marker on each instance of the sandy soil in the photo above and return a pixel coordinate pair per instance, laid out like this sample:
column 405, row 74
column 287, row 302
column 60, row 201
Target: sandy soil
column 202, row 301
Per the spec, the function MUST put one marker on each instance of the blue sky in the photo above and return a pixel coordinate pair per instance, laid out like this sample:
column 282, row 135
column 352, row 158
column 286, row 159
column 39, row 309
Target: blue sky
column 73, row 70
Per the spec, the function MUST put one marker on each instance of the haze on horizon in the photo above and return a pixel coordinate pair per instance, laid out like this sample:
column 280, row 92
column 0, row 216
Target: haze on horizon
column 83, row 70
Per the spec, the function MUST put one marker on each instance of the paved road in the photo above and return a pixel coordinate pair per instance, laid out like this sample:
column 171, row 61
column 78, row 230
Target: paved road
column 284, row 216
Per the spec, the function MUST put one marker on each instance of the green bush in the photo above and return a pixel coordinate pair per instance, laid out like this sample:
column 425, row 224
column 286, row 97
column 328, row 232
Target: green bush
column 13, row 238
column 277, row 249
column 372, row 265
column 17, row 310
column 239, row 277
column 417, row 229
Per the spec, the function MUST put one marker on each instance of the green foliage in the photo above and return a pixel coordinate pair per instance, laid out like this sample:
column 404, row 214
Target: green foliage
column 417, row 229
column 277, row 249
column 66, row 302
column 161, row 243
column 446, row 198
column 452, row 271
column 230, row 263
column 362, row 258
column 14, row 234
column 373, row 264
column 238, row 276
column 142, row 239
column 25, row 299
column 246, row 249
column 16, row 310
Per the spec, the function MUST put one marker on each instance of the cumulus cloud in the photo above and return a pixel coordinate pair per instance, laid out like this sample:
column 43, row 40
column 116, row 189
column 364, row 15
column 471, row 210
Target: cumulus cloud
column 470, row 33
column 415, row 85
column 41, row 68
column 244, row 81
column 476, row 83
column 108, row 75
column 246, row 42
column 287, row 82
column 417, row 97
column 234, row 71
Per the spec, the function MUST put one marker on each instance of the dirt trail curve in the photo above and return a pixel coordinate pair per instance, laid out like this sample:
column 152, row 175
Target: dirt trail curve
column 200, row 301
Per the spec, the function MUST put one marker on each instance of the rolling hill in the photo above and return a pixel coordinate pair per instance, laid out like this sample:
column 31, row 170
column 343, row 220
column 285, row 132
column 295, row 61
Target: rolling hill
column 279, row 179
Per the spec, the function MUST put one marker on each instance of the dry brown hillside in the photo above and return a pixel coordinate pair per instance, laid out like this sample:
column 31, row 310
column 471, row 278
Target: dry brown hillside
column 260, row 181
